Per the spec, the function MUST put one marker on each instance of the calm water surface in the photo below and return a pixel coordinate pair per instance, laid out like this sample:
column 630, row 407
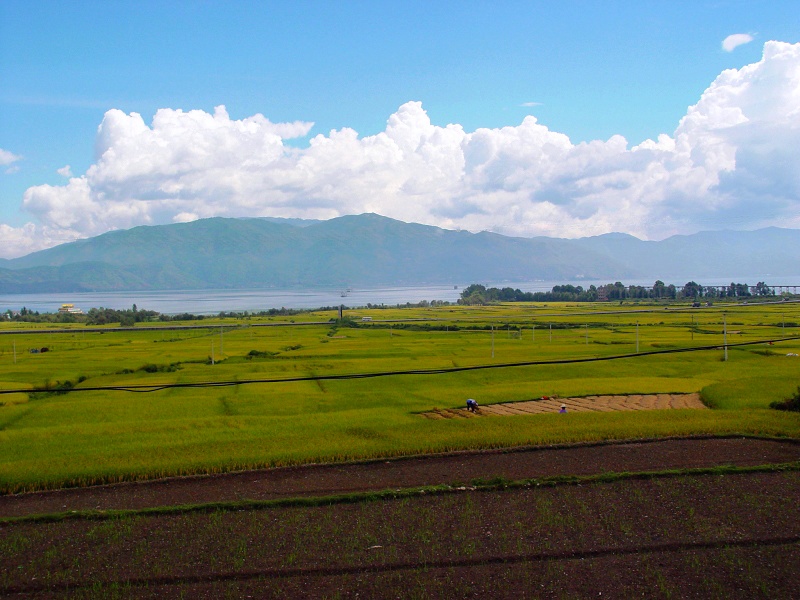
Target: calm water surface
column 205, row 302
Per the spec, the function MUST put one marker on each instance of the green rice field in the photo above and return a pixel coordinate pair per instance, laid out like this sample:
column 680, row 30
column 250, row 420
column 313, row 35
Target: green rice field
column 56, row 432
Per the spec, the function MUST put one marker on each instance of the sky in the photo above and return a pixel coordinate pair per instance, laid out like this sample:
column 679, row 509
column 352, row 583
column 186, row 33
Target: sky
column 565, row 119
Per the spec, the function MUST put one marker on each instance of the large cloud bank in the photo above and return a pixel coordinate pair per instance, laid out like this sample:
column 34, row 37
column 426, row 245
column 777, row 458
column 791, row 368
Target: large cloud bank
column 732, row 162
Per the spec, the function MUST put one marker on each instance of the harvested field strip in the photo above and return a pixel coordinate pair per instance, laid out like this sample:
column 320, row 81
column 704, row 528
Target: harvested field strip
column 580, row 404
column 332, row 479
column 732, row 522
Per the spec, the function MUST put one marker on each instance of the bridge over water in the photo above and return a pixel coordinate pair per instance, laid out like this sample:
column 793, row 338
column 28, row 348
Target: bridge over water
column 776, row 289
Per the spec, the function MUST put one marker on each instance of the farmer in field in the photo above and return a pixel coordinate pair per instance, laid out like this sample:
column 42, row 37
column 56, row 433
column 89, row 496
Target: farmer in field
column 563, row 408
column 472, row 406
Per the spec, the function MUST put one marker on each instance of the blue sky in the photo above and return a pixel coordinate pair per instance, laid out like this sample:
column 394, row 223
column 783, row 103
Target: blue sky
column 587, row 70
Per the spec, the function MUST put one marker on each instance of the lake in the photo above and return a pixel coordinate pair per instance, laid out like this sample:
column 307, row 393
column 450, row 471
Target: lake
column 208, row 302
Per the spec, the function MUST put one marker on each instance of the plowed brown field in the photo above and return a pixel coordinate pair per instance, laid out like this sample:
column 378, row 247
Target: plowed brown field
column 453, row 468
column 731, row 536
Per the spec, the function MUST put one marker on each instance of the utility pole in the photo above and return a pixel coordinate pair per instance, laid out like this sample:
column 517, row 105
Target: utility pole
column 725, row 336
column 533, row 333
column 212, row 352
column 637, row 337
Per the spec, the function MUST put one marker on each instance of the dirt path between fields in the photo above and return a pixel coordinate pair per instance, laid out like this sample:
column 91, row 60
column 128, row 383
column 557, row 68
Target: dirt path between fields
column 462, row 467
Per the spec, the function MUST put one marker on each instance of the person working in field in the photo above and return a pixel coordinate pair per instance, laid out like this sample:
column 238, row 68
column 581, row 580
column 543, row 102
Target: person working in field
column 563, row 408
column 472, row 406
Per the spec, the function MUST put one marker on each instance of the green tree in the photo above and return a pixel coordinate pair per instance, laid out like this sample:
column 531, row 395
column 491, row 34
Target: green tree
column 692, row 290
column 762, row 289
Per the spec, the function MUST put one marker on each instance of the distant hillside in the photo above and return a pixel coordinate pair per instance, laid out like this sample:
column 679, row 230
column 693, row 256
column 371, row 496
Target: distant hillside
column 769, row 251
column 367, row 250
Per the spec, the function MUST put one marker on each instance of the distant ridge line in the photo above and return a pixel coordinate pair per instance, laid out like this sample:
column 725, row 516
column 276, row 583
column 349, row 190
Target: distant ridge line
column 370, row 250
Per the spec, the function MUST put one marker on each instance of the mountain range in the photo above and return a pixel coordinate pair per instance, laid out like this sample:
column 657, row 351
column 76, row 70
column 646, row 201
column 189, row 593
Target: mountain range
column 371, row 250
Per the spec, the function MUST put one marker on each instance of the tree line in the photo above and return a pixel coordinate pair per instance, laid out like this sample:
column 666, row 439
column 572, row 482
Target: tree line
column 470, row 295
column 94, row 316
column 480, row 294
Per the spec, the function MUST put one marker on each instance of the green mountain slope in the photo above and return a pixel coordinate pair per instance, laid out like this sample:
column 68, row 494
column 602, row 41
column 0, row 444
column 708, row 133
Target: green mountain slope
column 369, row 249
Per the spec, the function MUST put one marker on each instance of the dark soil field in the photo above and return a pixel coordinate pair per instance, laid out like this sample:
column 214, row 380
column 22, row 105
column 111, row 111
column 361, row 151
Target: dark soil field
column 455, row 468
column 678, row 535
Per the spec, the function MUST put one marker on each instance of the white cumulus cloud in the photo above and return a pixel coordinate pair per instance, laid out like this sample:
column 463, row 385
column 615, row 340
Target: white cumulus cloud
column 730, row 43
column 18, row 241
column 65, row 171
column 731, row 162
column 6, row 157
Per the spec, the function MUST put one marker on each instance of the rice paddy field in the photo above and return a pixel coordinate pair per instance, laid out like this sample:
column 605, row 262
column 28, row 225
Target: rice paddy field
column 236, row 394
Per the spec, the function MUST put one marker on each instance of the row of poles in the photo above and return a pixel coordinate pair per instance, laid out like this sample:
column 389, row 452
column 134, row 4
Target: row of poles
column 724, row 335
column 533, row 338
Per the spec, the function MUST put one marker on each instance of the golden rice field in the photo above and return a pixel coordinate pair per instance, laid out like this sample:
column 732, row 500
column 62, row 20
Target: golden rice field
column 277, row 391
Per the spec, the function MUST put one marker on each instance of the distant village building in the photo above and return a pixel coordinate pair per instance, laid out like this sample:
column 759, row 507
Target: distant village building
column 69, row 309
